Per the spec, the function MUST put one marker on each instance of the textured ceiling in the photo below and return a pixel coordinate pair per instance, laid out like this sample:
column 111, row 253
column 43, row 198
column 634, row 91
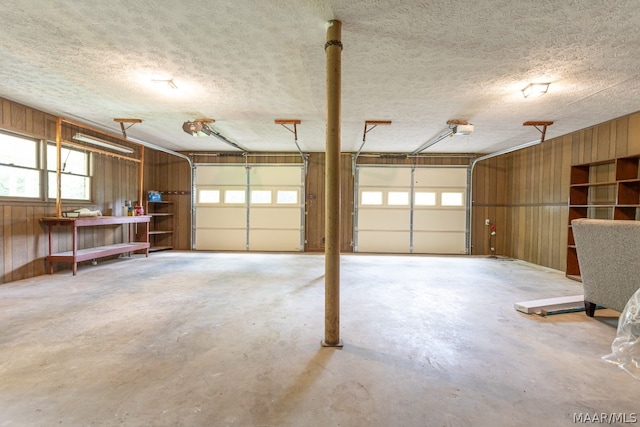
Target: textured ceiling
column 245, row 63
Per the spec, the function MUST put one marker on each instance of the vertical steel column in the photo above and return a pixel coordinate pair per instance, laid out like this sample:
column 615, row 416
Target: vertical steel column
column 333, row 50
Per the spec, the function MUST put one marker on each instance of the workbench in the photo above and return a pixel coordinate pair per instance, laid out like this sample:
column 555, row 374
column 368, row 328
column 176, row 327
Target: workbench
column 139, row 241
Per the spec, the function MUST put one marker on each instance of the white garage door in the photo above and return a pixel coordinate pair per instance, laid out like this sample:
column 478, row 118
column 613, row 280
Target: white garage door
column 256, row 208
column 411, row 210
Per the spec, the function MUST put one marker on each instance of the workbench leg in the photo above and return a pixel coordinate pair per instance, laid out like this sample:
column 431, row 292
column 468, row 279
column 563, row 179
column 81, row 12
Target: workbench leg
column 50, row 251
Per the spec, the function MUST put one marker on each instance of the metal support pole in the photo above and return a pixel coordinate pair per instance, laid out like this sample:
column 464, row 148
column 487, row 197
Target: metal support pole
column 333, row 49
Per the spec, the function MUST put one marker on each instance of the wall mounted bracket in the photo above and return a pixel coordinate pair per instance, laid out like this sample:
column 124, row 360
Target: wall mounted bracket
column 535, row 124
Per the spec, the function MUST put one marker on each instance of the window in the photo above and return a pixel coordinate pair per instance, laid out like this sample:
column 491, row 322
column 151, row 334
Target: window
column 260, row 197
column 452, row 199
column 209, row 196
column 425, row 198
column 398, row 198
column 19, row 172
column 287, row 197
column 234, row 196
column 371, row 198
column 75, row 179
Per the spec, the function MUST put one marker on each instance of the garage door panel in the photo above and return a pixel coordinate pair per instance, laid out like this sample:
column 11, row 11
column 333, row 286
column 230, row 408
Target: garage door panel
column 439, row 242
column 221, row 217
column 272, row 195
column 221, row 240
column 440, row 177
column 438, row 209
column 384, row 241
column 270, row 218
column 215, row 175
column 384, row 176
column 392, row 219
column 263, row 240
column 439, row 220
column 275, row 175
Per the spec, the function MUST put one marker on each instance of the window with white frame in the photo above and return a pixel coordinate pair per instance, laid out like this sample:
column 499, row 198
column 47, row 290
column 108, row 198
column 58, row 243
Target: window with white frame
column 234, row 196
column 209, row 196
column 452, row 199
column 75, row 177
column 260, row 197
column 19, row 167
column 287, row 197
column 398, row 198
column 425, row 198
column 373, row 198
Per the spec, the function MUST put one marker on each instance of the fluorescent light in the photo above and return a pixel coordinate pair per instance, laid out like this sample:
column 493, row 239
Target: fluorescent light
column 97, row 141
column 534, row 90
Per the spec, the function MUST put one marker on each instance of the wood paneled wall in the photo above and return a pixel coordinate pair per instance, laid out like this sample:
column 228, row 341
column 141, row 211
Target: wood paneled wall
column 24, row 239
column 525, row 193
column 172, row 176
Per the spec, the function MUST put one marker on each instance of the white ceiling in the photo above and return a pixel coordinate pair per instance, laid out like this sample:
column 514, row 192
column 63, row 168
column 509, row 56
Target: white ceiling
column 245, row 63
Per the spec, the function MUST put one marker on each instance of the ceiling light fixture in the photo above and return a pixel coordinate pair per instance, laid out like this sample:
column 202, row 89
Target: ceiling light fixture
column 169, row 82
column 534, row 90
column 101, row 143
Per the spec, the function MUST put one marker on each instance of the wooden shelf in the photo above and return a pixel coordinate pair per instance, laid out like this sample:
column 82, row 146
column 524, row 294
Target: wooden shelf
column 594, row 184
column 160, row 248
column 607, row 189
column 162, row 225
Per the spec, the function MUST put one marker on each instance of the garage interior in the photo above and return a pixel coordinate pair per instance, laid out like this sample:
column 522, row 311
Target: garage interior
column 351, row 199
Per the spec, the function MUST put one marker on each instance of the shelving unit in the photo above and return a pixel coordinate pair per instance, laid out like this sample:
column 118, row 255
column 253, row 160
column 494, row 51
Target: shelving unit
column 604, row 190
column 137, row 240
column 162, row 225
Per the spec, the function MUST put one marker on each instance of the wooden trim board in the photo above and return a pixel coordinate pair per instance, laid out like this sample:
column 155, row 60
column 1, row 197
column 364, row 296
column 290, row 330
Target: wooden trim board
column 550, row 304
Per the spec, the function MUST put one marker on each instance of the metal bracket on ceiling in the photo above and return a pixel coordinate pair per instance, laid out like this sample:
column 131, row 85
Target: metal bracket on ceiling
column 123, row 121
column 369, row 125
column 294, row 131
column 454, row 122
column 535, row 124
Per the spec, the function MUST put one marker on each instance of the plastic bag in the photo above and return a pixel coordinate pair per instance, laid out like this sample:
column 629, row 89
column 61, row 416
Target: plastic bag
column 625, row 349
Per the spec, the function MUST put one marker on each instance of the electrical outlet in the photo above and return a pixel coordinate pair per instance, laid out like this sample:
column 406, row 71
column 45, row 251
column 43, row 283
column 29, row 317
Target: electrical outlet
column 487, row 222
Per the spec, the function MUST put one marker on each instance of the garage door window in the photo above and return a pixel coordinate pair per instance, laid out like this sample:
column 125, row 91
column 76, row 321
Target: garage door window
column 398, row 198
column 452, row 199
column 261, row 197
column 234, row 196
column 209, row 196
column 425, row 198
column 287, row 197
column 373, row 198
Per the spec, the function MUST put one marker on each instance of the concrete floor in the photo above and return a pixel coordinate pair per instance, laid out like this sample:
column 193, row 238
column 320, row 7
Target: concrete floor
column 219, row 339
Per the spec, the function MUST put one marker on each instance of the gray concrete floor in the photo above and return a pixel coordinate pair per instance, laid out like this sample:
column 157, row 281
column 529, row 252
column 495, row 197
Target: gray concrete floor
column 221, row 339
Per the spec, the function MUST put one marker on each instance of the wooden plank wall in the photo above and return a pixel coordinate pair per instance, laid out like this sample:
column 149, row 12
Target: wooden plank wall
column 527, row 191
column 172, row 176
column 24, row 240
column 524, row 193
